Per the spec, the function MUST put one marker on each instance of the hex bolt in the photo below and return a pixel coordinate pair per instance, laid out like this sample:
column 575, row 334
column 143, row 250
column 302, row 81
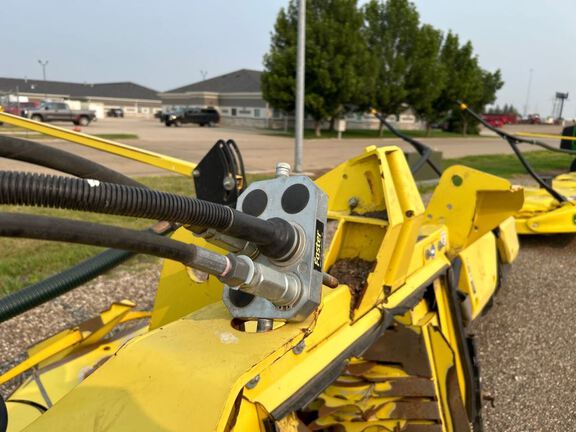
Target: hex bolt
column 431, row 252
column 253, row 382
column 283, row 169
column 229, row 182
column 299, row 348
column 353, row 203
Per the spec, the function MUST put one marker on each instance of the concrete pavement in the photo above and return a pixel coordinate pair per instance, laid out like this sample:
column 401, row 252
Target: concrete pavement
column 260, row 151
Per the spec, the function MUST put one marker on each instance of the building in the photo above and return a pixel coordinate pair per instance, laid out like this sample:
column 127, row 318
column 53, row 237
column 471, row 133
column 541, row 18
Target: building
column 134, row 99
column 238, row 98
column 236, row 95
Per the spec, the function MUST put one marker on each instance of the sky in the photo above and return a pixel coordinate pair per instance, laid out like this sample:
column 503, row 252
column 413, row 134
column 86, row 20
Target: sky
column 164, row 45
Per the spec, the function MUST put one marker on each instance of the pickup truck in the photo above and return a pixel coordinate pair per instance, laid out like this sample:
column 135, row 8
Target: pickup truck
column 59, row 111
column 199, row 116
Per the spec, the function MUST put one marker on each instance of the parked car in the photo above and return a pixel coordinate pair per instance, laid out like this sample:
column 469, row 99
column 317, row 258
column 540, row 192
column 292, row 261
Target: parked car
column 115, row 113
column 17, row 109
column 59, row 111
column 199, row 116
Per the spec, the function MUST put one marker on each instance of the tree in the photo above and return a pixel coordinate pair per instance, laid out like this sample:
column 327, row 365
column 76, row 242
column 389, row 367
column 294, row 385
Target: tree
column 466, row 81
column 335, row 57
column 390, row 30
column 427, row 76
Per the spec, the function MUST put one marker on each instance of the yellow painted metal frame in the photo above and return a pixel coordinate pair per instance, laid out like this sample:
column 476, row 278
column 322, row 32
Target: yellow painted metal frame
column 158, row 160
column 196, row 370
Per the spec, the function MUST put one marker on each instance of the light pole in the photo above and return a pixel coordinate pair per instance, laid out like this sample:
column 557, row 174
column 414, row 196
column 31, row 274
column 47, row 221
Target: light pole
column 203, row 73
column 43, row 64
column 528, row 93
column 300, row 59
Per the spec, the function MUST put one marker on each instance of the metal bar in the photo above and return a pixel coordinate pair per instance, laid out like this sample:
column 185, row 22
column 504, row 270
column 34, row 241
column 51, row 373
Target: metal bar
column 539, row 135
column 300, row 60
column 158, row 160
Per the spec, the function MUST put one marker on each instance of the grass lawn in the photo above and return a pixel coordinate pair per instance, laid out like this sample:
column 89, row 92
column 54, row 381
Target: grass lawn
column 23, row 262
column 544, row 162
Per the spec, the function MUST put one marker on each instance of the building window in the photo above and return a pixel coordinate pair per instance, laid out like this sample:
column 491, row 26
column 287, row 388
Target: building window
column 256, row 112
column 144, row 110
column 233, row 111
column 276, row 113
column 225, row 111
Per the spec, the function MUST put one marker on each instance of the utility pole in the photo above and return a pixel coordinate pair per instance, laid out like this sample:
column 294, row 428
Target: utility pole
column 528, row 93
column 44, row 64
column 203, row 73
column 300, row 60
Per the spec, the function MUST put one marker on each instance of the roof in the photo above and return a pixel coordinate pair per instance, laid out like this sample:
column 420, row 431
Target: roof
column 240, row 81
column 119, row 90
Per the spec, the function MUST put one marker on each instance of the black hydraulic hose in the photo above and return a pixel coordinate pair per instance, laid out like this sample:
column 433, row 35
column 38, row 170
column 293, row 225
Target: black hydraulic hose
column 512, row 141
column 275, row 237
column 54, row 286
column 423, row 150
column 72, row 231
column 66, row 162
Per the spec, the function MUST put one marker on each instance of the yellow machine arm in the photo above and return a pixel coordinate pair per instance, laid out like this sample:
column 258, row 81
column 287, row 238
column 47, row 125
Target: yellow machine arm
column 158, row 160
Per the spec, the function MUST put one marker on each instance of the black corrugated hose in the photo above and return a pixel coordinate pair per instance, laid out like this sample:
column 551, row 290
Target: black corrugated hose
column 275, row 237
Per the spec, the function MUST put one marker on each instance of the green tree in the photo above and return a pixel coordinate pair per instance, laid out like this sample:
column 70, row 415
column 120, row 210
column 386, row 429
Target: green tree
column 390, row 31
column 335, row 57
column 426, row 78
column 466, row 81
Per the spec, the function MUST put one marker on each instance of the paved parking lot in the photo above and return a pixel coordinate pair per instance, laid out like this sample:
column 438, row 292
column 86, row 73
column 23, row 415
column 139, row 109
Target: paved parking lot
column 261, row 151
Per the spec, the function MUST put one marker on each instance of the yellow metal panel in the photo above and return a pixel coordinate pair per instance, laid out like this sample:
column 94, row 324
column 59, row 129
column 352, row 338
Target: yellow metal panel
column 471, row 203
column 178, row 294
column 158, row 160
column 413, row 213
column 560, row 220
column 507, row 242
column 447, row 326
column 20, row 415
column 58, row 379
column 441, row 360
column 479, row 273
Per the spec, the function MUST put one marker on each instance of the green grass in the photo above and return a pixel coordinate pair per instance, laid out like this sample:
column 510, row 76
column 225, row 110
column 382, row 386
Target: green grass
column 361, row 133
column 508, row 165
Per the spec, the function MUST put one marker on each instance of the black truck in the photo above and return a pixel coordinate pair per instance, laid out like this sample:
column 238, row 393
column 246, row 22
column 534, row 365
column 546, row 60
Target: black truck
column 199, row 116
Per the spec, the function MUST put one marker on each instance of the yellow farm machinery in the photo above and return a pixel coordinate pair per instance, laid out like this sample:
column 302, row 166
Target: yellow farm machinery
column 340, row 304
column 549, row 208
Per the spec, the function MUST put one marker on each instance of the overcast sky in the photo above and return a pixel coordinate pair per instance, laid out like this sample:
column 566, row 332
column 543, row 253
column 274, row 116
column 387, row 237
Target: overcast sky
column 164, row 45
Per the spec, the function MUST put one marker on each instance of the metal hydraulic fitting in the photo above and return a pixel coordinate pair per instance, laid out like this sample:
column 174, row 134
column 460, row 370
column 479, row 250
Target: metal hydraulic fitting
column 288, row 287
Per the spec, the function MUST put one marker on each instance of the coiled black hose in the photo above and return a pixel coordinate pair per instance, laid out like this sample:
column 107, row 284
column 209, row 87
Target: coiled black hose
column 49, row 157
column 275, row 237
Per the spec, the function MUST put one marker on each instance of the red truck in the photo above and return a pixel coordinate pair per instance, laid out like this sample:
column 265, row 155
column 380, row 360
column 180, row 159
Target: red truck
column 499, row 120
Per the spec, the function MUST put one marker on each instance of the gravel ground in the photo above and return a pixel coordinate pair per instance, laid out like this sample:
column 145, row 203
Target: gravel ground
column 526, row 343
column 137, row 284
